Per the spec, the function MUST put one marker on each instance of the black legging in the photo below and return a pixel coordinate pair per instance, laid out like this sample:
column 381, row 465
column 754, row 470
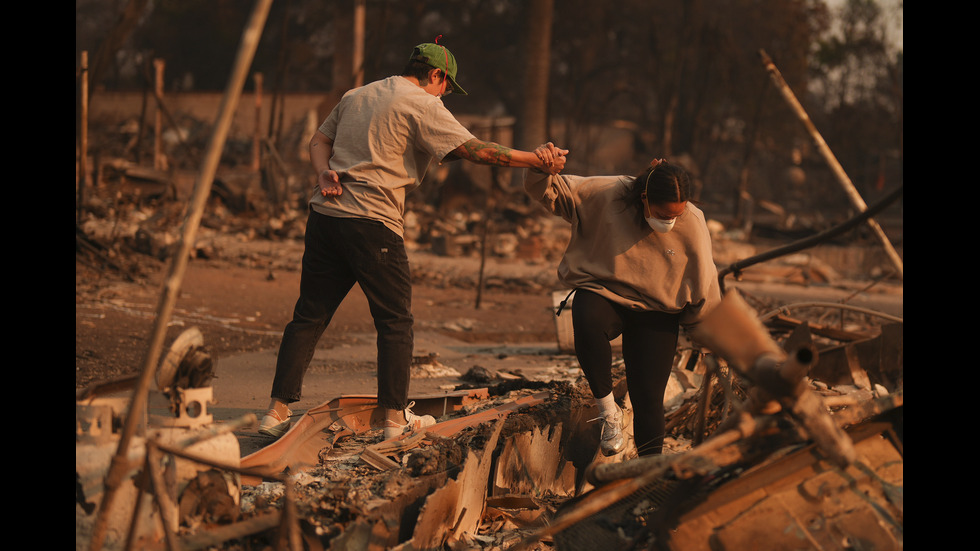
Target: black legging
column 649, row 344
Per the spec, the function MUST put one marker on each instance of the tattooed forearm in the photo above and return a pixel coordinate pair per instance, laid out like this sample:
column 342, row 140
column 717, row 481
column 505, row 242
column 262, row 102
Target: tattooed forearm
column 488, row 153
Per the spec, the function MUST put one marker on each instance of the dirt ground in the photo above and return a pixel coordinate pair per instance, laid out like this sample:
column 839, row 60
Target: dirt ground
column 241, row 293
column 242, row 300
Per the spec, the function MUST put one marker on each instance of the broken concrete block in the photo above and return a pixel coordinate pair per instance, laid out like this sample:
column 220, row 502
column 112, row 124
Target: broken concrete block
column 94, row 452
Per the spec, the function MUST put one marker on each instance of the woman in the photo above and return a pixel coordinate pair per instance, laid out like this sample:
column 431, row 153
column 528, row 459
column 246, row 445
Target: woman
column 639, row 262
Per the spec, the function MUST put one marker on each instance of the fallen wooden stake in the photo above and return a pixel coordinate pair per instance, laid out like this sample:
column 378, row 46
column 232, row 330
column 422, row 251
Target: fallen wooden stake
column 378, row 460
column 209, row 537
column 733, row 330
column 377, row 455
column 168, row 298
column 835, row 166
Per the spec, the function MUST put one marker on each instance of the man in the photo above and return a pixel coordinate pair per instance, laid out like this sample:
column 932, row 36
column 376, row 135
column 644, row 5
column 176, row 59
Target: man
column 373, row 148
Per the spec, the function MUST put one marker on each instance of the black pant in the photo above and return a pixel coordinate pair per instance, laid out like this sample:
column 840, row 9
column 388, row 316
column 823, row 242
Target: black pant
column 339, row 253
column 649, row 344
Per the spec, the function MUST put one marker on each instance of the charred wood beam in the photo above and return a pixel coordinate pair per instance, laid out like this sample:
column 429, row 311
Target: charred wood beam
column 733, row 331
column 734, row 445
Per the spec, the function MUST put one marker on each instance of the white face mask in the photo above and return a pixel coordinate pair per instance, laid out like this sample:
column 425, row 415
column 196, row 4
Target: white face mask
column 662, row 226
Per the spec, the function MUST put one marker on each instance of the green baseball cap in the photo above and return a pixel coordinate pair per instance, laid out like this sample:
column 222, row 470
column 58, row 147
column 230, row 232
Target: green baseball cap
column 441, row 58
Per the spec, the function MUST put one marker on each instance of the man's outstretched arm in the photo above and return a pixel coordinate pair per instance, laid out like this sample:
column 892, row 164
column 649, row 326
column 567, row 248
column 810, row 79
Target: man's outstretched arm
column 490, row 153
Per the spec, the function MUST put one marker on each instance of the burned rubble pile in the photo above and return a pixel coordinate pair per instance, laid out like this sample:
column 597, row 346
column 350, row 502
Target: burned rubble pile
column 783, row 427
column 111, row 236
column 132, row 210
column 774, row 432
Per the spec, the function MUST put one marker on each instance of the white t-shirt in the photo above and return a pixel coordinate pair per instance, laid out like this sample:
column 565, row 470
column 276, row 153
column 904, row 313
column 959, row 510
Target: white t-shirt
column 385, row 135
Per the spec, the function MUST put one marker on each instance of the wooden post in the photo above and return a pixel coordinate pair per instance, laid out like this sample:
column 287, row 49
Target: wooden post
column 158, row 162
column 257, row 132
column 831, row 160
column 358, row 59
column 171, row 286
column 83, row 180
column 487, row 220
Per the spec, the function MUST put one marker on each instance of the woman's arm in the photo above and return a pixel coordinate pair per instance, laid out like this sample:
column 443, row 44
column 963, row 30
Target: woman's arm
column 551, row 191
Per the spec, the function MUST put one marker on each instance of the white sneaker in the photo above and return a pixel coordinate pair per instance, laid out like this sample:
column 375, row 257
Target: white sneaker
column 414, row 423
column 273, row 425
column 612, row 440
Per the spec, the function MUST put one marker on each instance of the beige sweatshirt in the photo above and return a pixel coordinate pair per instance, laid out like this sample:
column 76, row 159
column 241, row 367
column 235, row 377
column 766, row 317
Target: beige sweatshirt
column 611, row 254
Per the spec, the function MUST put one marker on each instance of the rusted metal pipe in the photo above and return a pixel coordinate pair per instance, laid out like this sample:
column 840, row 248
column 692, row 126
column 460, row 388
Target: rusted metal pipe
column 215, row 536
column 652, row 466
column 737, row 267
column 733, row 331
column 819, row 304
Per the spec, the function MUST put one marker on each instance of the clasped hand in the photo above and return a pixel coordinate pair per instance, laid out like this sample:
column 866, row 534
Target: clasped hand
column 552, row 157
